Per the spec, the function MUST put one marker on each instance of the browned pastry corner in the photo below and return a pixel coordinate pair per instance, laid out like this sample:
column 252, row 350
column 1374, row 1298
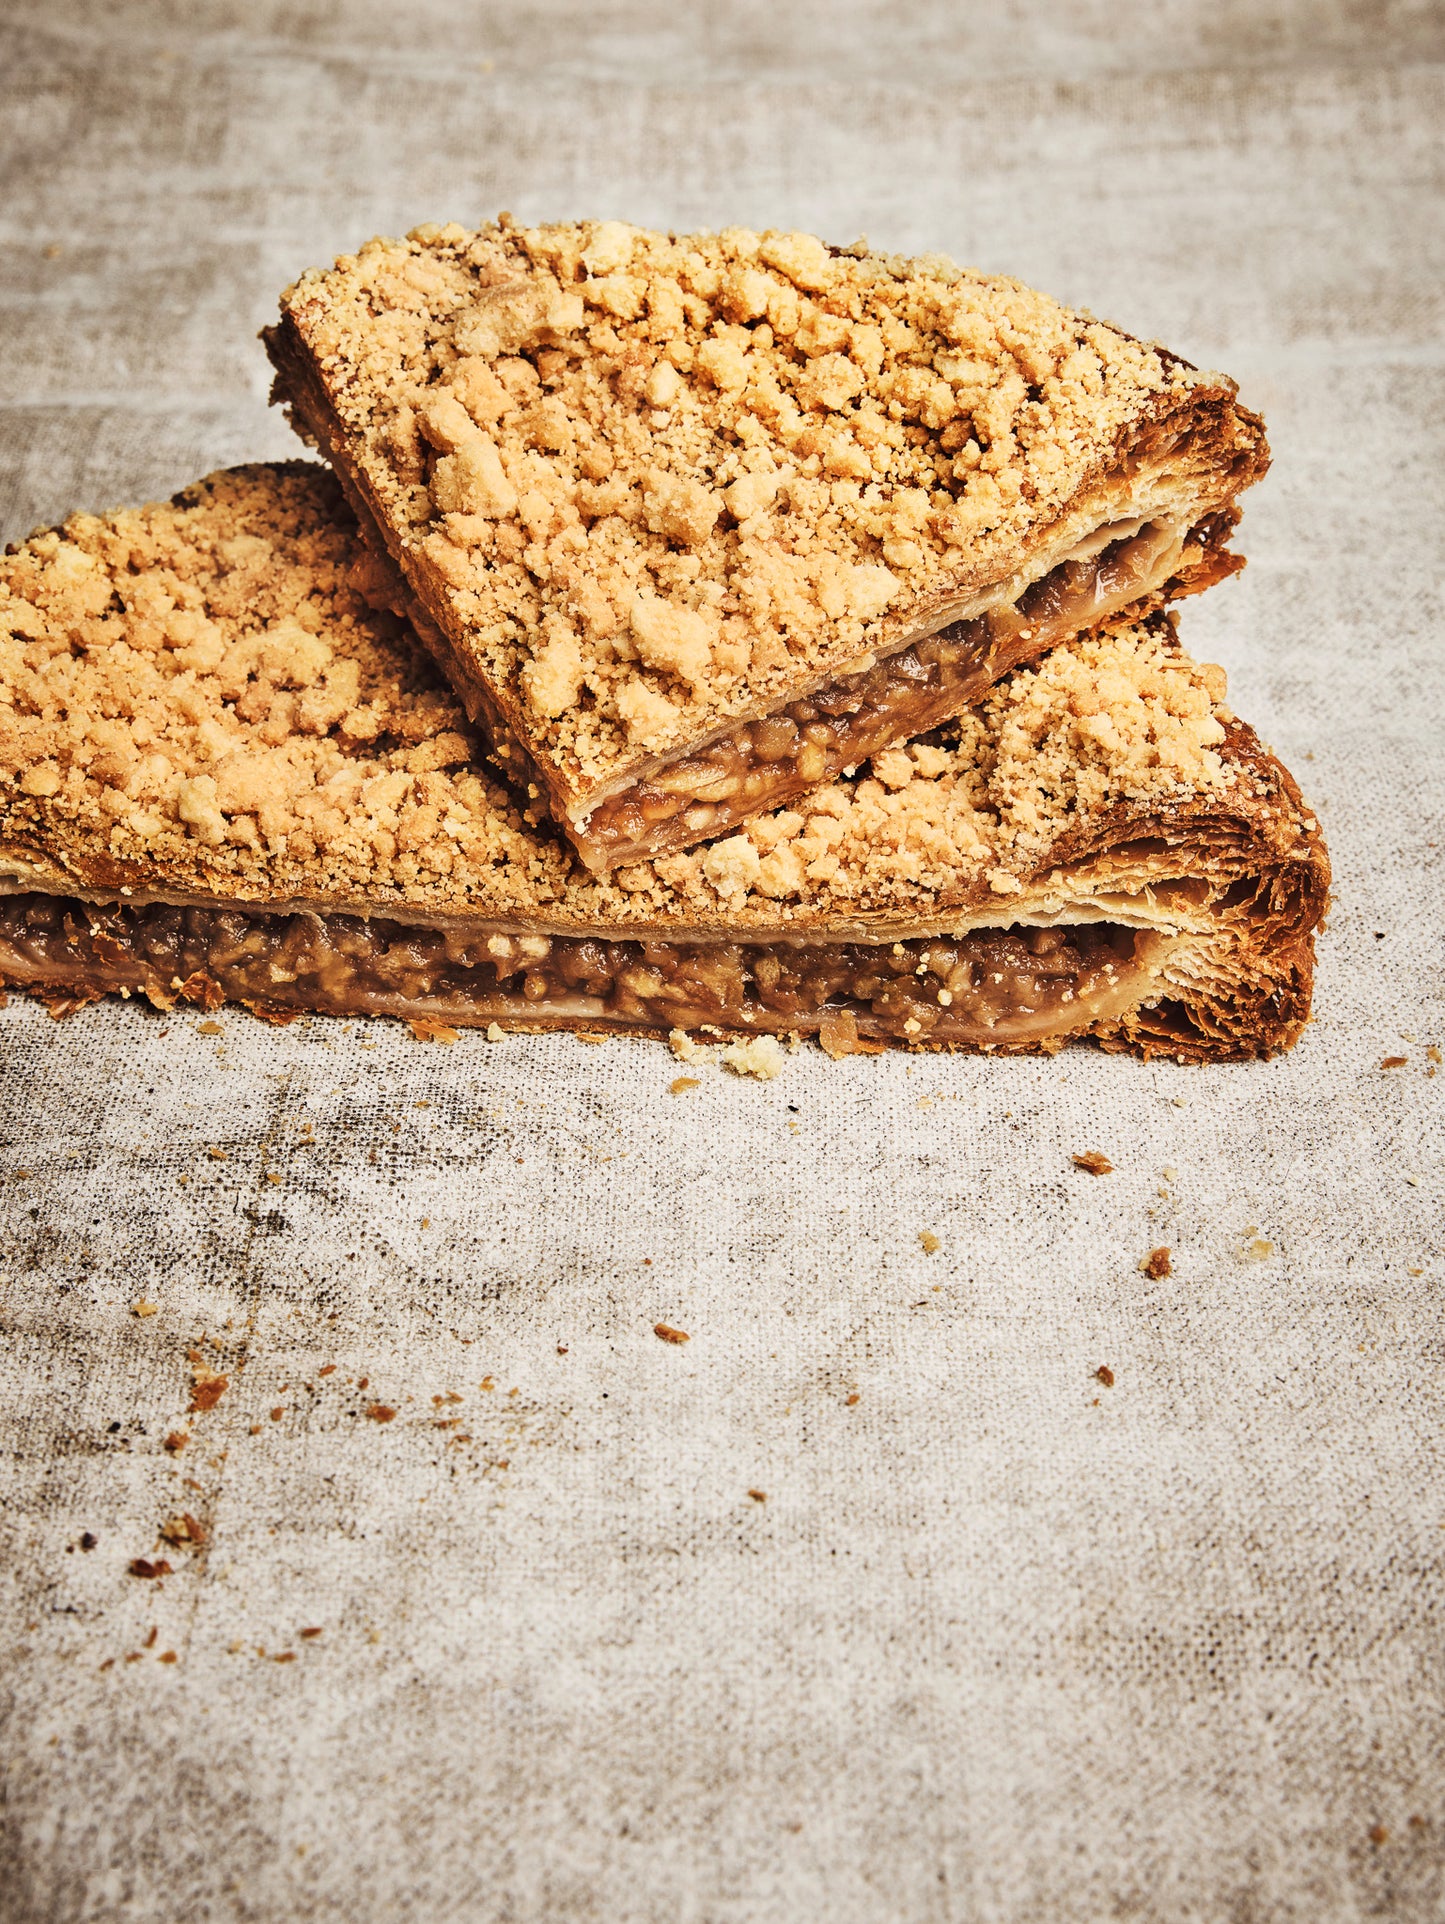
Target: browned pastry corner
column 696, row 524
column 225, row 774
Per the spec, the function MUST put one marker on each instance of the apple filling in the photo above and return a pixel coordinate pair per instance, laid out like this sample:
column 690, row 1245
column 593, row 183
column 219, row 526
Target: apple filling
column 766, row 763
column 988, row 987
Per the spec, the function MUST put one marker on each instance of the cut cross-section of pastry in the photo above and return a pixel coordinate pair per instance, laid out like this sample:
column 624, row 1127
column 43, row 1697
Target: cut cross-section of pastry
column 694, row 525
column 224, row 775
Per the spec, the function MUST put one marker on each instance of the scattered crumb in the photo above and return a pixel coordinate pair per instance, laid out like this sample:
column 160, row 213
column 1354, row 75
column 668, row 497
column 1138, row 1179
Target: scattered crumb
column 758, row 1056
column 143, row 1567
column 285, row 1656
column 684, row 1048
column 592, row 1040
column 207, row 1385
column 278, row 1412
column 216, row 1155
column 1180, row 1102
column 1408, row 1272
column 428, row 1028
column 1170, row 1175
column 313, row 1631
column 184, row 1532
column 850, row 1399
column 327, row 1369
column 561, row 1349
column 1094, row 1161
column 681, row 1083
column 209, row 1028
column 272, row 1176
column 758, row 1496
column 1105, row 1376
column 1257, row 1249
column 1394, row 1062
column 669, row 1334
column 1157, row 1264
column 144, row 1309
column 379, row 1412
column 495, row 1033
column 166, row 1656
column 1379, row 1835
column 1432, row 1054
column 930, row 1242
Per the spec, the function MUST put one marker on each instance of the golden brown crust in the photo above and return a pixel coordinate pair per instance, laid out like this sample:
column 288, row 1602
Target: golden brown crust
column 648, row 488
column 198, row 703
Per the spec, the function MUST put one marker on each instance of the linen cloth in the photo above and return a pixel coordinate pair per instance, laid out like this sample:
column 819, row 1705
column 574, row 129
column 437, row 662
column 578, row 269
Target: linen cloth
column 872, row 1600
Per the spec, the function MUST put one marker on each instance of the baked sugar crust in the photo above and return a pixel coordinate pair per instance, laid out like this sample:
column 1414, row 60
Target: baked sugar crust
column 200, row 703
column 648, row 488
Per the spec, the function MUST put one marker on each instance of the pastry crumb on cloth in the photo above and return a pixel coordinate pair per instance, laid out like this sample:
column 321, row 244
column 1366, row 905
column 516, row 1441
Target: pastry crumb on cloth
column 647, row 485
column 1094, row 1162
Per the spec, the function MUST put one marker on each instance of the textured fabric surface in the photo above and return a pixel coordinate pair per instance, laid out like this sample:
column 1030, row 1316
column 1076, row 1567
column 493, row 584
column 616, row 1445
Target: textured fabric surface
column 872, row 1600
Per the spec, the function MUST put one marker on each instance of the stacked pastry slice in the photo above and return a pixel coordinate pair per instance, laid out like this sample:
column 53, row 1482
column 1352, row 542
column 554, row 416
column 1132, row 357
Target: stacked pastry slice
column 794, row 663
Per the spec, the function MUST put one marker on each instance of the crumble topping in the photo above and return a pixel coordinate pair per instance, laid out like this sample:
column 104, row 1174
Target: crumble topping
column 662, row 478
column 204, row 691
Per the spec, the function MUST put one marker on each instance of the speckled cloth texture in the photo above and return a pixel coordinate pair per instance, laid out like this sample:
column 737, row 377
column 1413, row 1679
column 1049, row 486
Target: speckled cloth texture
column 873, row 1600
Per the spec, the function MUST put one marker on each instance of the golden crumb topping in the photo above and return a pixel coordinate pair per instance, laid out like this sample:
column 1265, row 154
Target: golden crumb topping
column 202, row 697
column 651, row 483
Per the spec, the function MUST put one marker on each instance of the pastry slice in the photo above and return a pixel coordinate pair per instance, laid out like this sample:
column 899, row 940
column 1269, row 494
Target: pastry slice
column 226, row 776
column 695, row 525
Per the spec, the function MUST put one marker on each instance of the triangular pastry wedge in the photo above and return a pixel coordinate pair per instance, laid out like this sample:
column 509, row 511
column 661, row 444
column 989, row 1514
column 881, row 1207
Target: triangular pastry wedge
column 226, row 776
column 696, row 524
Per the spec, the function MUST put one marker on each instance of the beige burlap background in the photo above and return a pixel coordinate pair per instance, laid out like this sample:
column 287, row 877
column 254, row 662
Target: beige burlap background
column 871, row 1602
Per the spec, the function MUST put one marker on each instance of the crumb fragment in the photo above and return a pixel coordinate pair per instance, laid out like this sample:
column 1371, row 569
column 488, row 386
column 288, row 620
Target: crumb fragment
column 495, row 1032
column 1157, row 1264
column 312, row 1630
column 176, row 1441
column 207, row 1385
column 1394, row 1062
column 1432, row 1054
column 209, row 1028
column 144, row 1308
column 680, row 1084
column 758, row 1496
column 930, row 1242
column 427, row 1028
column 216, row 1155
column 1105, row 1375
column 684, row 1048
column 379, row 1412
column 758, row 1056
column 1256, row 1250
column 1094, row 1161
column 850, row 1399
column 183, row 1532
column 144, row 1567
column 669, row 1334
